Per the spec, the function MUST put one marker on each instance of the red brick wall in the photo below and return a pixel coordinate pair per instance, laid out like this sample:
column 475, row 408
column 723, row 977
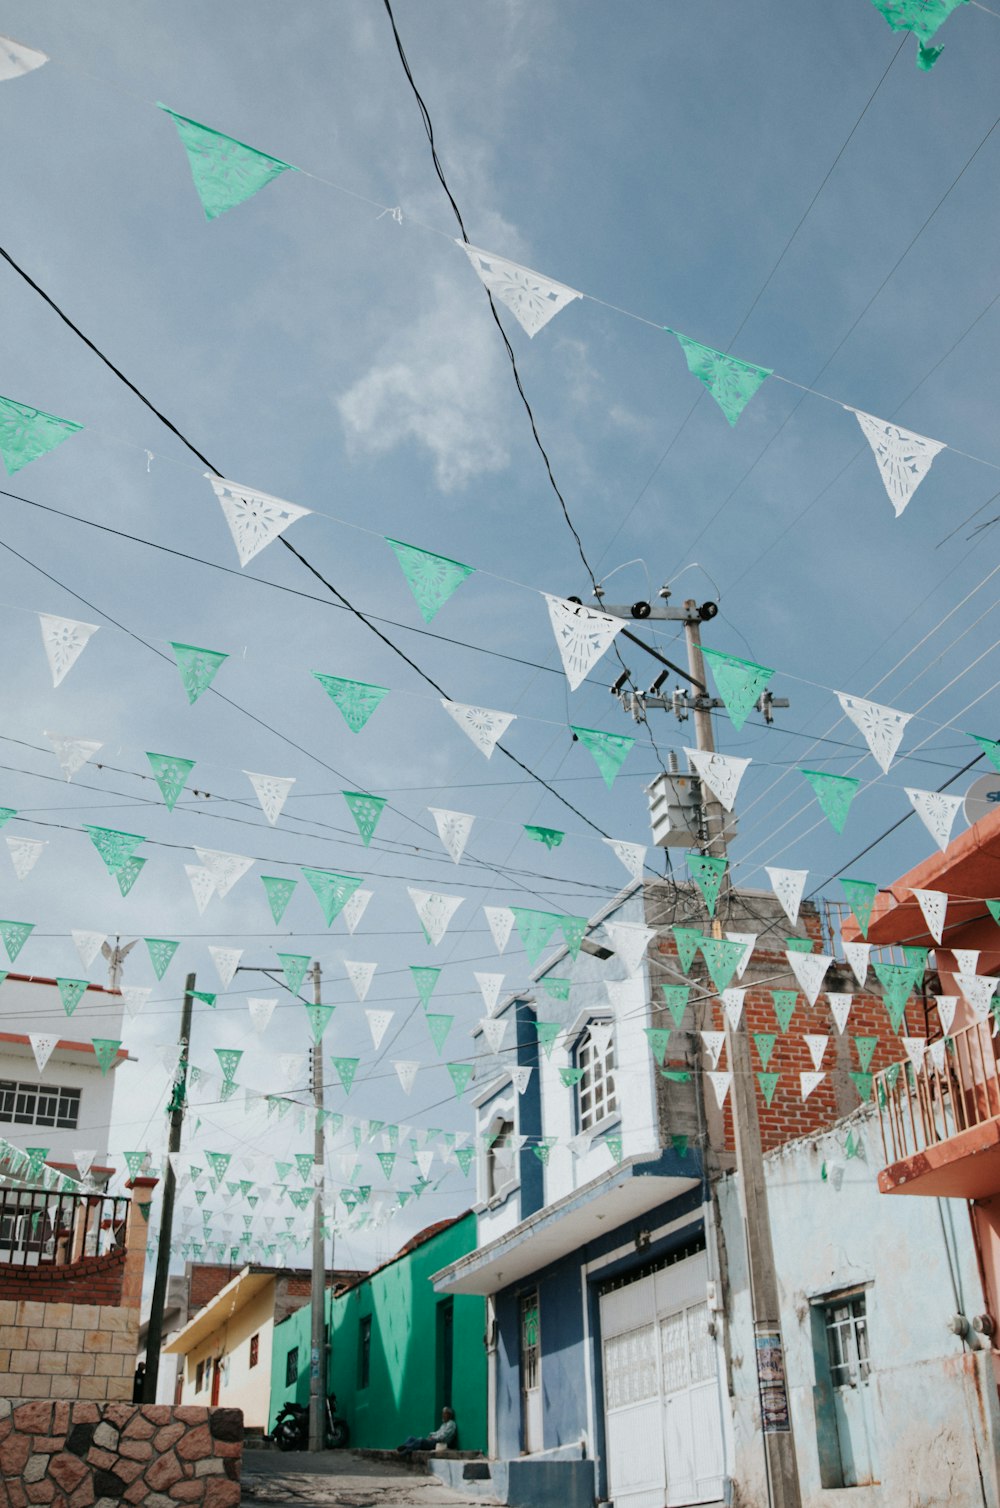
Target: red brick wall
column 204, row 1282
column 94, row 1280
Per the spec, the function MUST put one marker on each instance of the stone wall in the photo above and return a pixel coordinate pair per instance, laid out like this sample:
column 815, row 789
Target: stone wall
column 72, row 1455
column 67, row 1351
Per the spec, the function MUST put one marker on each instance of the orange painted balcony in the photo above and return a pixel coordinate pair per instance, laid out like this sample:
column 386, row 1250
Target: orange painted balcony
column 941, row 1125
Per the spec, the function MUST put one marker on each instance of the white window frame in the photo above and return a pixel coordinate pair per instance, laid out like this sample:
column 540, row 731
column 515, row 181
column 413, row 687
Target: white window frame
column 495, row 1191
column 604, row 1116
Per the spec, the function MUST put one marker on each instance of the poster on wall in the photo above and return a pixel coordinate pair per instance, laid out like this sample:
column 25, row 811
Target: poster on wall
column 771, row 1383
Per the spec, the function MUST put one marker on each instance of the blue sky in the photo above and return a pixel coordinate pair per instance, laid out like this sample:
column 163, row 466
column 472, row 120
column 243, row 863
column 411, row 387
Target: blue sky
column 657, row 157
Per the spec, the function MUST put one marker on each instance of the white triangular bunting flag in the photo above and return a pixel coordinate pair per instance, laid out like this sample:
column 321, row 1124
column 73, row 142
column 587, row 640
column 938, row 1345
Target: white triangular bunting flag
column 88, row 945
column 732, row 1004
column 291, row 1066
column 601, row 1033
column 406, row 1072
column 225, row 868
column 938, row 1050
column 903, row 458
column 42, row 1045
column 722, row 773
column 626, row 996
column 809, row 1081
column 500, row 920
column 484, row 725
column 169, row 1055
column 936, row 811
column 84, row 1159
column 24, row 854
column 494, row 1032
column 434, row 911
column 226, row 962
column 271, row 791
column 135, row 997
column 582, row 636
column 579, row 1144
column 490, row 986
column 255, row 519
column 65, row 640
column 857, row 955
column 530, row 297
column 17, row 60
column 978, row 990
column 749, row 942
column 424, row 1160
column 632, row 855
column 202, row 885
column 966, row 960
column 933, row 904
column 72, row 753
column 261, row 1010
column 810, row 971
column 840, row 1008
column 947, row 1006
column 378, row 1025
column 630, row 941
column 361, row 976
column 788, row 885
column 915, row 1047
column 520, row 1078
column 453, row 830
column 354, row 908
column 881, row 727
column 720, row 1084
column 817, row 1046
column 713, row 1043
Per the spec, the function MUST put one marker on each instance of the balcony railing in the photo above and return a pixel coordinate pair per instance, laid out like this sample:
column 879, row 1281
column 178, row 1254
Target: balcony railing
column 42, row 1229
column 923, row 1107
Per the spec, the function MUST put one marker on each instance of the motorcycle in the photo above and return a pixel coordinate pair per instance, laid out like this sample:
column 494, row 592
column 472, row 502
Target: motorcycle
column 291, row 1428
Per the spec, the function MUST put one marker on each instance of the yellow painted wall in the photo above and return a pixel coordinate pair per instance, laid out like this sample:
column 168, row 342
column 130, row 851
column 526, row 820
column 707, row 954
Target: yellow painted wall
column 242, row 1387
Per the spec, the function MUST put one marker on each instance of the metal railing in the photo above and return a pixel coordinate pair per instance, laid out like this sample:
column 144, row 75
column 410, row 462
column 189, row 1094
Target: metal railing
column 42, row 1229
column 953, row 1090
column 833, row 915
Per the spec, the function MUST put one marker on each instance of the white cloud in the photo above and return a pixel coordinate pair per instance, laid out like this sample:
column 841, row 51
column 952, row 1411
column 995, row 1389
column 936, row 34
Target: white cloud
column 437, row 385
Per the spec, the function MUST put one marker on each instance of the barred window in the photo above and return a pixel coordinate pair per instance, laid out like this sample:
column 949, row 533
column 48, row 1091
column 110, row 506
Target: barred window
column 596, row 1098
column 847, row 1340
column 39, row 1105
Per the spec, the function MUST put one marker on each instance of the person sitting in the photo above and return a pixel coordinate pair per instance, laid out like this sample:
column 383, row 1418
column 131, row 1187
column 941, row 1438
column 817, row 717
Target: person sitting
column 443, row 1435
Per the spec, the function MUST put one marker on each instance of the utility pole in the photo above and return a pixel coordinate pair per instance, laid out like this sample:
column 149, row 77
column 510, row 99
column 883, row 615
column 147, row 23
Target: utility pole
column 154, row 1329
column 779, row 1441
column 318, row 1359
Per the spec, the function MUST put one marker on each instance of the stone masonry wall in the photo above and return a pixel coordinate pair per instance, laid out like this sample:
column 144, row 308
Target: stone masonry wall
column 73, row 1455
column 66, row 1351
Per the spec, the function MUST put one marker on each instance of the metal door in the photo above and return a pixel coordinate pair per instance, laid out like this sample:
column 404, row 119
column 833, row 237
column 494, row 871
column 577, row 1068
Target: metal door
column 637, row 1475
column 531, row 1375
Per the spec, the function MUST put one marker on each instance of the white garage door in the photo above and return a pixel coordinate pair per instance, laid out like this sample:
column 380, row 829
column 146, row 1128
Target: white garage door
column 663, row 1428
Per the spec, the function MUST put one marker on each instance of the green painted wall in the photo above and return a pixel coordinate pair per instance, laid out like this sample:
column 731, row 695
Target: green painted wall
column 405, row 1389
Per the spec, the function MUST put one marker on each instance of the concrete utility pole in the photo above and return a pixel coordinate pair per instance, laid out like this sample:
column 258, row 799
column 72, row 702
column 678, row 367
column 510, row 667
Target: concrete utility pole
column 779, row 1441
column 318, row 1361
column 154, row 1330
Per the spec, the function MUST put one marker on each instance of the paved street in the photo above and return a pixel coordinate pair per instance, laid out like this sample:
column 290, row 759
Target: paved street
column 340, row 1479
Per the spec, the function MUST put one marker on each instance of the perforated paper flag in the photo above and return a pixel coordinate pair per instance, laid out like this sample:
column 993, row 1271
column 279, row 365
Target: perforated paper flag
column 810, row 971
column 966, row 960
column 840, row 1008
column 946, row 1005
column 550, row 836
column 161, row 951
column 460, row 1073
column 279, row 893
column 535, row 929
column 433, row 579
column 903, row 458
column 64, row 640
column 738, row 682
column 202, row 885
column 24, row 854
column 922, row 17
column 809, row 1082
column 713, row 1043
column 354, row 908
column 425, row 978
column 722, row 773
column 493, row 1032
column 788, row 885
column 722, row 958
column 978, row 990
column 732, row 383
column 105, row 1051
column 294, row 966
column 582, row 637
column 229, row 1061
column 27, row 433
column 860, row 896
column 434, row 911
column 500, row 920
column 834, row 794
column 483, row 725
column 816, row 1046
column 261, row 1010
column 345, row 1069
column 170, row 773
column 933, row 906
column 17, row 60
column 747, row 941
column 135, row 997
column 225, row 171
column 439, row 1026
column 331, row 890
column 88, row 945
column 453, row 829
column 707, row 871
column 226, row 962
column 72, row 753
column 197, row 667
column 610, row 750
column 857, row 955
column 255, row 519
column 357, row 700
column 990, row 747
column 361, row 976
column 226, row 869
column 366, row 811
column 43, row 1044
column 378, row 1025
column 687, row 941
column 632, row 855
column 784, row 1007
column 272, row 792
column 114, row 847
column 732, row 1005
column 721, row 1084
column 530, row 297
column 15, row 935
column 490, row 986
column 936, row 811
column 882, row 727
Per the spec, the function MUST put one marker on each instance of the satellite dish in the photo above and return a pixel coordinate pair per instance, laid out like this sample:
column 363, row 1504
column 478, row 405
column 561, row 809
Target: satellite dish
column 982, row 797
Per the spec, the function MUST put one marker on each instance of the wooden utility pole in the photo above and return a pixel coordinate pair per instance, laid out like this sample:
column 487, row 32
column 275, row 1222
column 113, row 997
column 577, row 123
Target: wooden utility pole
column 317, row 1363
column 154, row 1329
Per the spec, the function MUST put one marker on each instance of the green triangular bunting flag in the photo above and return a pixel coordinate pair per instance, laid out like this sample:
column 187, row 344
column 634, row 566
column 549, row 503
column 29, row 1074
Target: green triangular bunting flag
column 732, row 383
column 993, row 907
column 723, row 958
column 432, row 578
column 319, row 1019
column 71, row 992
column 784, row 1006
column 425, row 978
column 279, row 893
column 439, row 1027
column 707, row 872
column 15, row 935
column 27, row 433
column 294, row 967
column 356, row 699
column 834, row 794
column 171, row 773
column 610, row 750
column 225, row 171
column 863, row 1084
column 556, row 989
column 738, row 682
column 861, row 899
column 229, row 1061
column 990, row 747
column 764, row 1043
column 658, row 1037
column 128, row 872
column 113, row 847
column 197, row 667
column 550, row 836
column 105, row 1049
column 866, row 1050
column 687, row 941
column 346, row 1069
column 461, row 1073
column 676, row 997
column 768, row 1084
column 161, row 951
column 897, row 981
column 535, row 929
column 331, row 890
column 548, row 1031
column 573, row 929
column 366, row 811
